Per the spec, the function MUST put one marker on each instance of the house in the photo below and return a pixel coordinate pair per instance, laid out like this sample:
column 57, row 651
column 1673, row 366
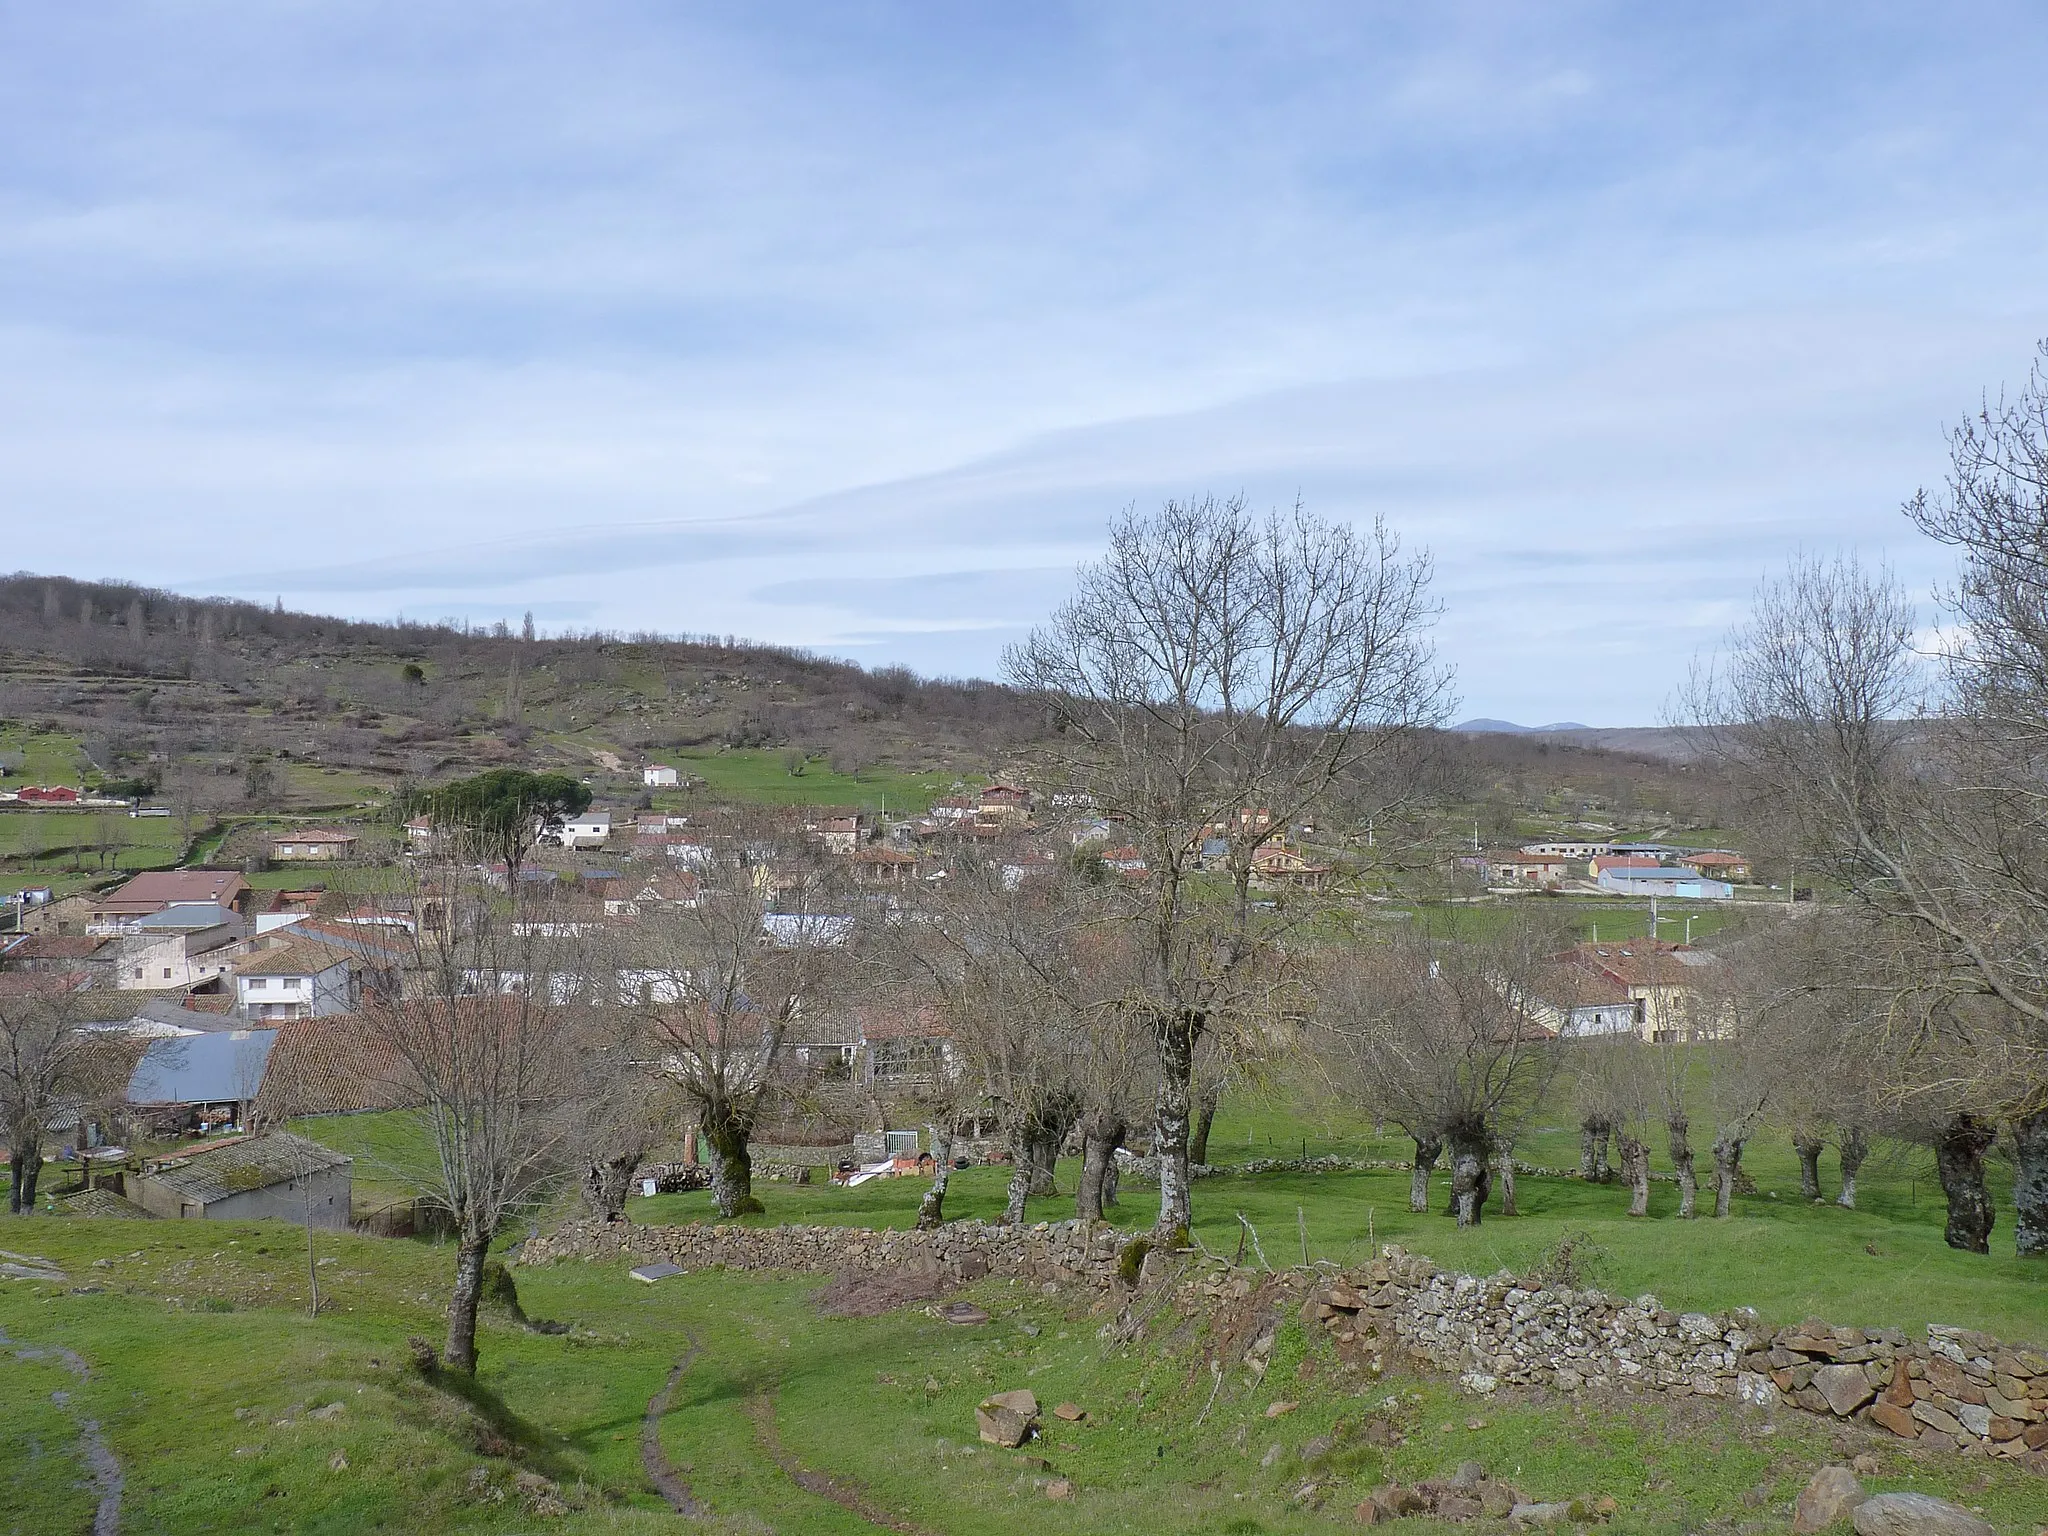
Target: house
column 1539, row 869
column 1664, row 880
column 332, row 1066
column 792, row 930
column 298, row 979
column 1600, row 863
column 677, row 888
column 1126, row 860
column 592, row 829
column 25, row 984
column 56, row 794
column 660, row 776
column 186, row 944
column 422, row 836
column 1718, row 863
column 1662, row 982
column 314, row 843
column 1276, row 864
column 1004, row 800
column 278, row 1177
column 152, row 892
column 1567, row 849
column 65, row 914
column 839, row 834
column 1577, row 1002
column 902, row 1047
column 65, row 953
column 204, row 1080
column 881, row 865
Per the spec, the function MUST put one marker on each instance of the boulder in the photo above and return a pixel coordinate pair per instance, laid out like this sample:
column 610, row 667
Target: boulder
column 1072, row 1413
column 1470, row 1475
column 1916, row 1514
column 1007, row 1418
column 1555, row 1512
column 1829, row 1495
column 1845, row 1387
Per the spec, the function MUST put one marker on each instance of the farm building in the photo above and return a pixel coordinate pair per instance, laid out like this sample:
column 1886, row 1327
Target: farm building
column 278, row 1177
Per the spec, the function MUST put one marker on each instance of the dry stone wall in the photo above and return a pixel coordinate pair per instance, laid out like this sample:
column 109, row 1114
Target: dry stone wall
column 1953, row 1390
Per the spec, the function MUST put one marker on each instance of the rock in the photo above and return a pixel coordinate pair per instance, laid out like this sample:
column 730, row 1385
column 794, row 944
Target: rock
column 1072, row 1413
column 1828, row 1496
column 1272, row 1457
column 1916, row 1514
column 964, row 1314
column 331, row 1411
column 1007, row 1418
column 1899, row 1421
column 1318, row 1448
column 1865, row 1465
column 1496, row 1499
column 1553, row 1513
column 1275, row 1410
column 1845, row 1387
column 1470, row 1475
column 337, row 1462
column 1459, row 1506
column 1060, row 1488
column 1394, row 1501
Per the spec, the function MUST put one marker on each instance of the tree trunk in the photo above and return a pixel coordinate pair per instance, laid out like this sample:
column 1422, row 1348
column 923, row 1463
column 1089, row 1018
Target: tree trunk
column 1504, row 1177
column 1020, row 1172
column 1853, row 1148
column 1808, row 1146
column 1680, row 1129
column 690, row 1147
column 14, row 1175
column 1205, row 1117
column 1590, row 1130
column 1727, row 1163
column 605, row 1182
column 462, row 1302
column 1959, row 1159
column 725, row 1130
column 1112, row 1175
column 1101, row 1136
column 1470, row 1180
column 1635, row 1171
column 1603, row 1171
column 1175, row 1035
column 25, row 1164
column 1047, row 1135
column 931, row 1210
column 2030, row 1185
column 1427, row 1149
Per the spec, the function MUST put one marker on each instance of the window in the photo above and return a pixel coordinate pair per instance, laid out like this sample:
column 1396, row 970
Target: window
column 257, row 983
column 167, row 973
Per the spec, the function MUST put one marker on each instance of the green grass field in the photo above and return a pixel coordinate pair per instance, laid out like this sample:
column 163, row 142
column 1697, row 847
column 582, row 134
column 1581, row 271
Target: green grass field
column 47, row 757
column 35, row 842
column 216, row 1392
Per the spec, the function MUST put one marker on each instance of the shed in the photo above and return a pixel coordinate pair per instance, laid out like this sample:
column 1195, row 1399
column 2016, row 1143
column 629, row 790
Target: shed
column 278, row 1177
column 210, row 1079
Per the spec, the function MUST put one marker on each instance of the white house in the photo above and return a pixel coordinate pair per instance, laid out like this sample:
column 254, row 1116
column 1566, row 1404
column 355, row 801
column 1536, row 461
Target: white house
column 300, row 979
column 593, row 829
column 659, row 776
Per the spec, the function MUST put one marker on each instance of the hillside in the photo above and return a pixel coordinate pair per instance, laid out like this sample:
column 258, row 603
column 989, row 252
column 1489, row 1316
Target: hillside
column 217, row 708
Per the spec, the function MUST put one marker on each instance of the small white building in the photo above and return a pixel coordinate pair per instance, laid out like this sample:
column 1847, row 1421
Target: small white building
column 592, row 829
column 660, row 776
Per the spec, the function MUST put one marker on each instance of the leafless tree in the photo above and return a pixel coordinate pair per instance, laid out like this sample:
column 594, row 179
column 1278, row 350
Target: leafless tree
column 488, row 1038
column 1218, row 670
column 1440, row 1038
column 46, row 1062
column 718, row 982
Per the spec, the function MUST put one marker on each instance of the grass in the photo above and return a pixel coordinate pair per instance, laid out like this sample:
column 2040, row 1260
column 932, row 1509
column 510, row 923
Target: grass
column 48, row 757
column 40, row 844
column 206, row 1373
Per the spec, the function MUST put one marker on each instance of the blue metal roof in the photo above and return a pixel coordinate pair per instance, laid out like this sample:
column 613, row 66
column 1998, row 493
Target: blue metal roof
column 182, row 915
column 202, row 1069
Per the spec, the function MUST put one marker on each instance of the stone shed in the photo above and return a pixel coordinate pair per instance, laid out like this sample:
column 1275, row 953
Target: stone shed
column 278, row 1177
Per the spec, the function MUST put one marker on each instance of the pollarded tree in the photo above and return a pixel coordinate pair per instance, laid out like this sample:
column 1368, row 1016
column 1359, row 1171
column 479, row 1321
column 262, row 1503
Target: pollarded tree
column 718, row 981
column 1441, row 1038
column 1219, row 674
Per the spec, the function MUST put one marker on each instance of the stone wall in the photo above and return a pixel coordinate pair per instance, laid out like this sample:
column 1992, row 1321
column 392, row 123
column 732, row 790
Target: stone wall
column 1954, row 1390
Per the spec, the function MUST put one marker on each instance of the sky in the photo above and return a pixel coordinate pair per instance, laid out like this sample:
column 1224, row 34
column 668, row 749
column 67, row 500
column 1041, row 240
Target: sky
column 853, row 325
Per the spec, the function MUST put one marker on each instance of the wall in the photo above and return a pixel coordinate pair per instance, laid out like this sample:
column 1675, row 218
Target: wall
column 1953, row 1390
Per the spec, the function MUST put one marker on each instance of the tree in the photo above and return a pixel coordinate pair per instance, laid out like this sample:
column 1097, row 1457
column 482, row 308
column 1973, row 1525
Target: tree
column 1438, row 1037
column 502, row 813
column 718, row 982
column 45, row 1063
column 1217, row 673
column 491, row 1048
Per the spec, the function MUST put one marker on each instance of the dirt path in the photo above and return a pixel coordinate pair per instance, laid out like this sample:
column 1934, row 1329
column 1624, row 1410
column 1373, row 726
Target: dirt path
column 848, row 1495
column 606, row 759
column 652, row 1457
column 106, row 1473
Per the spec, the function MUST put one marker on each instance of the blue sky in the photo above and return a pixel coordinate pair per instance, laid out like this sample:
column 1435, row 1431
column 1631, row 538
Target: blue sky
column 852, row 325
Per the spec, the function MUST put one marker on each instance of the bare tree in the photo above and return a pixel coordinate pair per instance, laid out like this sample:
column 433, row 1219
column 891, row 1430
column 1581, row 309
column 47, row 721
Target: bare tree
column 1220, row 673
column 46, row 1062
column 719, row 981
column 1440, row 1038
column 488, row 1037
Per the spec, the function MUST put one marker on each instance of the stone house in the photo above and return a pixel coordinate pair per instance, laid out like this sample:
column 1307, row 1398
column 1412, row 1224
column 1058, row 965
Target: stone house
column 278, row 1177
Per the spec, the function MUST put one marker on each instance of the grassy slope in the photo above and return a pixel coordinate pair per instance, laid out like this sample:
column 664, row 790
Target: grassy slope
column 759, row 777
column 886, row 1401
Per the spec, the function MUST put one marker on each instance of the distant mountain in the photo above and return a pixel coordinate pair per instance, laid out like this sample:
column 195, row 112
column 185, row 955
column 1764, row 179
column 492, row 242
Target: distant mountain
column 1509, row 728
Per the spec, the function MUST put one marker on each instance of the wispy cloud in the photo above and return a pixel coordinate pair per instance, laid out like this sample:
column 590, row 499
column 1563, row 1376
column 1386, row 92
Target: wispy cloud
column 853, row 326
